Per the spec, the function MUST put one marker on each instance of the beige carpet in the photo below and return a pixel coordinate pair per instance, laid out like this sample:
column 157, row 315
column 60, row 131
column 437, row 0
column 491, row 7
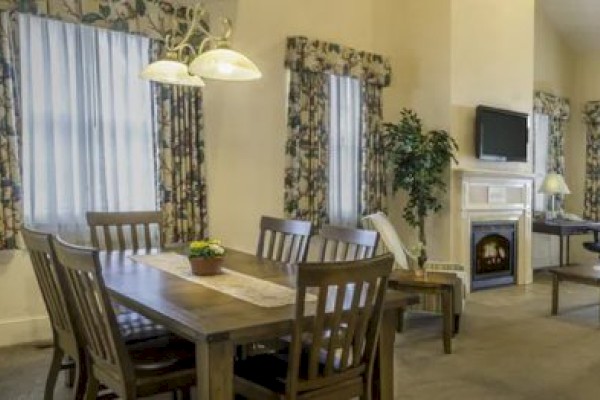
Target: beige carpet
column 508, row 348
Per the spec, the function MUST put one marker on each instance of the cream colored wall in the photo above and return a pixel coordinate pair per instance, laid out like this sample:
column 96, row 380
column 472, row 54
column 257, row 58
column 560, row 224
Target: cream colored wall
column 555, row 61
column 416, row 36
column 587, row 88
column 492, row 64
column 22, row 312
column 246, row 122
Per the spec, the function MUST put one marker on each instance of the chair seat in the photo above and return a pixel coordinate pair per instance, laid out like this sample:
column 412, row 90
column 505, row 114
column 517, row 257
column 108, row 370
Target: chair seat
column 134, row 327
column 592, row 246
column 163, row 364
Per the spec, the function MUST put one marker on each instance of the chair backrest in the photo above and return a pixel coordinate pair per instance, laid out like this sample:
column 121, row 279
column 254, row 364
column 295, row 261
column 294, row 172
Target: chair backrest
column 94, row 311
column 121, row 230
column 343, row 334
column 380, row 222
column 52, row 285
column 346, row 244
column 283, row 239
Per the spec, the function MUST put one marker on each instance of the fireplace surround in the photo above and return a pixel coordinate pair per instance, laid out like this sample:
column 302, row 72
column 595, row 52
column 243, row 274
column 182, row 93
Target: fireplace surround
column 492, row 198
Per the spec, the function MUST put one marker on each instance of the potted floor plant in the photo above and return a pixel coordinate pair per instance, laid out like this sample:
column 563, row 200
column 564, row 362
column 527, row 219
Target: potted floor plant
column 417, row 161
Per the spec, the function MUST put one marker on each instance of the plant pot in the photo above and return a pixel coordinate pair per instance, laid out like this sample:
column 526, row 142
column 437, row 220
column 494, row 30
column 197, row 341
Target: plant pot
column 420, row 272
column 206, row 266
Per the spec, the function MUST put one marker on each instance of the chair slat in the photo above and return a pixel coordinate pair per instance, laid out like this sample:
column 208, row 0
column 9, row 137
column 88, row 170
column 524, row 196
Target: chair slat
column 335, row 329
column 283, row 240
column 128, row 238
column 345, row 244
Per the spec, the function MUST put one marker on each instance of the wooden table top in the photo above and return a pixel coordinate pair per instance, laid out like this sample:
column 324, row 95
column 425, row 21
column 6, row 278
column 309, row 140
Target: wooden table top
column 431, row 279
column 199, row 313
column 588, row 272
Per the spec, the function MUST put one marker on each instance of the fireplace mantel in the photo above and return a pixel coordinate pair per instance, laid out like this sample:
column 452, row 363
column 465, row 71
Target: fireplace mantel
column 492, row 195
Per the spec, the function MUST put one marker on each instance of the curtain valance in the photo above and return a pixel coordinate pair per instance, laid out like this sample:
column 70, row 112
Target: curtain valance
column 151, row 18
column 551, row 105
column 303, row 54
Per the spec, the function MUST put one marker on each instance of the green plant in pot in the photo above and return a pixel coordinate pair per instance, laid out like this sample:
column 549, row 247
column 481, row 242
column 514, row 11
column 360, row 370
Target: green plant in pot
column 417, row 161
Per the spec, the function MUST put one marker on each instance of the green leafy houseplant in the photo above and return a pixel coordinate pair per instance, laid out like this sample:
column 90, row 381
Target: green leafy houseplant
column 417, row 161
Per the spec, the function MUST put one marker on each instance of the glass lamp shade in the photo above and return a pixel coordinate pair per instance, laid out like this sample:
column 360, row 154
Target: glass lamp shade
column 171, row 72
column 554, row 184
column 224, row 64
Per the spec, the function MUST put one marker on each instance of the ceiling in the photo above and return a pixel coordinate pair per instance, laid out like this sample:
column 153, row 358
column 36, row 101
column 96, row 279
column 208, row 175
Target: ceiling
column 577, row 20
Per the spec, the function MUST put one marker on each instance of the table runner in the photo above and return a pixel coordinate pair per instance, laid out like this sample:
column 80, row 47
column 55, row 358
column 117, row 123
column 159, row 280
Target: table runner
column 236, row 284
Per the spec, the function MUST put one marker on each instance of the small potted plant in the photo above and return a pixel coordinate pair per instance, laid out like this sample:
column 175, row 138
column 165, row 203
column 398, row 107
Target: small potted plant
column 206, row 256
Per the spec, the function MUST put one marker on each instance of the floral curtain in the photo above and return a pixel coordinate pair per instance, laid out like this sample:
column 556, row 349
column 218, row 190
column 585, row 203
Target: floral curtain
column 558, row 111
column 306, row 182
column 373, row 188
column 151, row 18
column 182, row 184
column 10, row 127
column 591, row 118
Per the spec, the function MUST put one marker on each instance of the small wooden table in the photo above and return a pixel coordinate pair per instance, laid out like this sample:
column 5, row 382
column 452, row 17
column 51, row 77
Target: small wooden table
column 584, row 274
column 439, row 283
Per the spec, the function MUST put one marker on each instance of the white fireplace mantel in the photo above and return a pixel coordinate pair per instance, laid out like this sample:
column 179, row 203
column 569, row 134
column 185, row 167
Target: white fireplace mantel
column 487, row 195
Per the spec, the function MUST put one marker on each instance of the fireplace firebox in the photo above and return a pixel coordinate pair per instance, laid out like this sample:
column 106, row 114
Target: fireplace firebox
column 493, row 249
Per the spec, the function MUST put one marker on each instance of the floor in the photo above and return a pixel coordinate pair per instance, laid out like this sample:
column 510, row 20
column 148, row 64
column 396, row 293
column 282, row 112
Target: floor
column 508, row 348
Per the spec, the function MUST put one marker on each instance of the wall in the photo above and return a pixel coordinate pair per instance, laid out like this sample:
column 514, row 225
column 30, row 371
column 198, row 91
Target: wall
column 246, row 122
column 587, row 88
column 22, row 313
column 416, row 36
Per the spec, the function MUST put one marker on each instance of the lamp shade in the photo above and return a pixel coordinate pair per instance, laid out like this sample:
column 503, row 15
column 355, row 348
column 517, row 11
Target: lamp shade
column 554, row 184
column 172, row 72
column 224, row 64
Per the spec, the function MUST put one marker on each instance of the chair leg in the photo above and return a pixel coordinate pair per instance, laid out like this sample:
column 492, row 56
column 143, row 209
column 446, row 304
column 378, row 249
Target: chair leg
column 91, row 388
column 55, row 364
column 80, row 379
column 70, row 374
column 456, row 323
column 186, row 394
column 400, row 322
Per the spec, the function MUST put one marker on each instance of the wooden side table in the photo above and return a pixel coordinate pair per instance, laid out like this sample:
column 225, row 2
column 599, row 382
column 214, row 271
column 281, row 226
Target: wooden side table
column 583, row 274
column 437, row 283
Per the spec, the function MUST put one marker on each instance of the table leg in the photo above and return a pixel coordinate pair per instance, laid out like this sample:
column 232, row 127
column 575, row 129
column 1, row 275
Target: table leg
column 560, row 251
column 568, row 249
column 214, row 369
column 383, row 374
column 448, row 317
column 554, row 310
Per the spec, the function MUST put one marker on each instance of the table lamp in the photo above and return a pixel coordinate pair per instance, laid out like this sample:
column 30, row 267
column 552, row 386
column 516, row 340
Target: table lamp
column 552, row 185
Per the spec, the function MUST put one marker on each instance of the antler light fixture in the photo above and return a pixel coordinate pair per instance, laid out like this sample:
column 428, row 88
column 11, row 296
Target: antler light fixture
column 213, row 59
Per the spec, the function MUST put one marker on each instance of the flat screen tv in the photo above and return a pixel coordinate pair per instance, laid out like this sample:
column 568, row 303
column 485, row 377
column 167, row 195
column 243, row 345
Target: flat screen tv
column 500, row 135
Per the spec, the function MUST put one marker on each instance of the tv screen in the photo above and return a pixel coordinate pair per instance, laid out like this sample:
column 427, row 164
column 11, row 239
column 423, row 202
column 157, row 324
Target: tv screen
column 501, row 135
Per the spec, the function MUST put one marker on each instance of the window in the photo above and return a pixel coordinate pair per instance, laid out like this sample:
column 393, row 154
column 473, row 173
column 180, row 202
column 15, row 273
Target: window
column 541, row 131
column 344, row 151
column 88, row 141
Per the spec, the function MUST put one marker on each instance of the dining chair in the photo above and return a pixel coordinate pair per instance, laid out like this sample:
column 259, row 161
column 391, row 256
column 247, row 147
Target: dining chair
column 119, row 231
column 283, row 240
column 66, row 337
column 403, row 259
column 125, row 230
column 340, row 243
column 141, row 369
column 334, row 336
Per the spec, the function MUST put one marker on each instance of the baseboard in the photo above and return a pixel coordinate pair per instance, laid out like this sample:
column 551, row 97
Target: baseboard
column 24, row 330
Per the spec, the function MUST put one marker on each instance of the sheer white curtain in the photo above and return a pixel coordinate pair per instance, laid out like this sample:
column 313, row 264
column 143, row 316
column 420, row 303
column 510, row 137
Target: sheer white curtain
column 88, row 140
column 344, row 151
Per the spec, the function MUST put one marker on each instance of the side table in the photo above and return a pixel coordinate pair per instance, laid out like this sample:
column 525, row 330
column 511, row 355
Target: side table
column 437, row 283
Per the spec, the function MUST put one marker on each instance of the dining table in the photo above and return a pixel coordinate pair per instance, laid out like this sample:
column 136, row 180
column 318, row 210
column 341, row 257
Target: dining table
column 217, row 322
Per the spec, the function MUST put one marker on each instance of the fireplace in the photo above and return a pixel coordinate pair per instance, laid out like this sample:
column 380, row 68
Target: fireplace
column 493, row 249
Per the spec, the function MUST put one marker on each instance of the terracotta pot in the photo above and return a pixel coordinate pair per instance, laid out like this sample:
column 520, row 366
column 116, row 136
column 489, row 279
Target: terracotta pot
column 206, row 266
